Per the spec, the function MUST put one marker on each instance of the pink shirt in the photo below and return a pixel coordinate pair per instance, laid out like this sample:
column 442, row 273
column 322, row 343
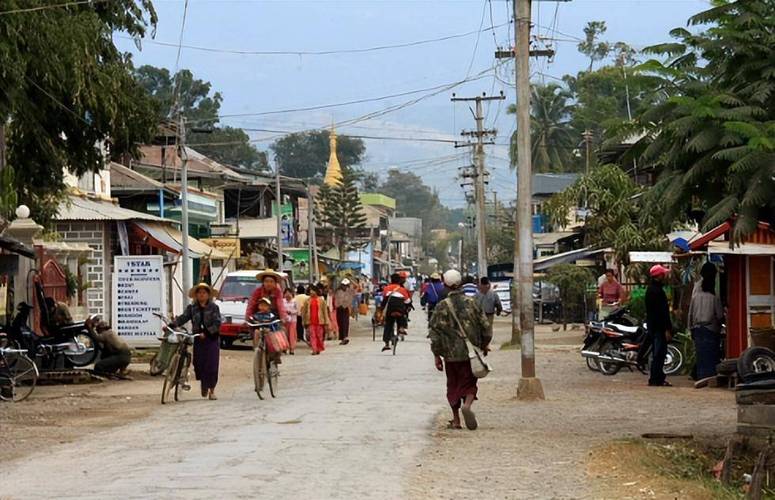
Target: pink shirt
column 611, row 292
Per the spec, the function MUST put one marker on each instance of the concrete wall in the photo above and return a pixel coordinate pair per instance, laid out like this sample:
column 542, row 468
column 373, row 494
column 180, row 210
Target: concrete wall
column 96, row 234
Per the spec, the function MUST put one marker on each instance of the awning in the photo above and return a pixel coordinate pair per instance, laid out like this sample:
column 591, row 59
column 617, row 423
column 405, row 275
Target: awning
column 540, row 239
column 171, row 240
column 563, row 258
column 80, row 208
column 258, row 229
column 722, row 248
column 651, row 257
column 15, row 246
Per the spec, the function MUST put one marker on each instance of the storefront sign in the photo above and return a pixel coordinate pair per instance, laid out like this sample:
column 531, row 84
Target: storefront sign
column 138, row 293
column 301, row 264
column 229, row 246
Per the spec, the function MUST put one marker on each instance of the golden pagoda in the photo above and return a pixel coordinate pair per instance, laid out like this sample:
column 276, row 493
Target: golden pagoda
column 334, row 170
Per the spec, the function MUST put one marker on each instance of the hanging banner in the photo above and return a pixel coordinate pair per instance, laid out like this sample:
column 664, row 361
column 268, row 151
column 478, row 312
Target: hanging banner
column 286, row 223
column 301, row 264
column 138, row 293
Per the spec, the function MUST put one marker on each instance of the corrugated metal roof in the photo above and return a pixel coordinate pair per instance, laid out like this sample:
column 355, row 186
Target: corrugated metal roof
column 122, row 177
column 552, row 183
column 172, row 239
column 80, row 208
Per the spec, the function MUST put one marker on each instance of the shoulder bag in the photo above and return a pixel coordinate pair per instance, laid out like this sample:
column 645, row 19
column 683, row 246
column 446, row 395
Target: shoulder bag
column 479, row 367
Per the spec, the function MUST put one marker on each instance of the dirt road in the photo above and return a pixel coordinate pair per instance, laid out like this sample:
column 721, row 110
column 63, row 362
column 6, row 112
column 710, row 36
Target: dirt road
column 354, row 423
column 348, row 423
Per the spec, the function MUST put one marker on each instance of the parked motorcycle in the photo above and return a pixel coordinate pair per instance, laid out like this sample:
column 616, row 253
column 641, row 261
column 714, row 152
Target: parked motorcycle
column 629, row 346
column 77, row 342
column 594, row 339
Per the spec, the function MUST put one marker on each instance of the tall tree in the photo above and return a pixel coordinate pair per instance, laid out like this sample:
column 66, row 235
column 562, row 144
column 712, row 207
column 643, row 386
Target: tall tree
column 340, row 210
column 200, row 107
column 305, row 154
column 713, row 139
column 592, row 46
column 553, row 138
column 68, row 94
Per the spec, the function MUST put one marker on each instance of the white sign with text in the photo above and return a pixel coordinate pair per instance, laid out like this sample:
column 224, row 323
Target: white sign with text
column 138, row 293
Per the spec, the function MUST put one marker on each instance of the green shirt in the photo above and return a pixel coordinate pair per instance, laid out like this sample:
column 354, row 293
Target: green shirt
column 445, row 333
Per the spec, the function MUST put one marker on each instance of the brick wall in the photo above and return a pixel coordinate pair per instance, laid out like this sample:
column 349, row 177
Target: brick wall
column 97, row 274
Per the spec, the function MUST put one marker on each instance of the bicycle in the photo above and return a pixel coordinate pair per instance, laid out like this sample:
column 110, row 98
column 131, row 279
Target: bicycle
column 176, row 374
column 18, row 374
column 265, row 368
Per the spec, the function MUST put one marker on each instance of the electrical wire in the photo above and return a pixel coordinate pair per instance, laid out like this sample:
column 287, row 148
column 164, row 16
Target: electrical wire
column 478, row 36
column 319, row 52
column 178, row 84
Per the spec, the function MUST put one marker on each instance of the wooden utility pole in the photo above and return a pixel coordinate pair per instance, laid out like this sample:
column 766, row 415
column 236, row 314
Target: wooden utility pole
column 279, row 215
column 313, row 269
column 479, row 176
column 530, row 387
column 184, row 203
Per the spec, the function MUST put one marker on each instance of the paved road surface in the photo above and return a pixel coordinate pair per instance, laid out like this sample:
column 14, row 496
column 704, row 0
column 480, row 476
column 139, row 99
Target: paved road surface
column 348, row 424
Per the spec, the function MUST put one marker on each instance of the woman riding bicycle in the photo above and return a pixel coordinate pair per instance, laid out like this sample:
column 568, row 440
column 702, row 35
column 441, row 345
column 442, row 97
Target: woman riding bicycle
column 271, row 290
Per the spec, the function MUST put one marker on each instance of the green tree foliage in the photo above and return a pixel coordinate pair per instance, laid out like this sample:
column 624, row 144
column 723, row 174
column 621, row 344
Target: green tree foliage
column 339, row 209
column 614, row 213
column 305, row 154
column 552, row 136
column 9, row 200
column 592, row 46
column 572, row 281
column 713, row 139
column 68, row 94
column 200, row 107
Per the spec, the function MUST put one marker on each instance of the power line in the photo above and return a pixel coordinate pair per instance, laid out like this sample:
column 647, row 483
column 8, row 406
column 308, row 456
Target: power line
column 321, row 52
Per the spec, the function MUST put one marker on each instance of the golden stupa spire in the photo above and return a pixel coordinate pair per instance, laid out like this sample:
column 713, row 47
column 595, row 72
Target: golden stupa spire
column 334, row 170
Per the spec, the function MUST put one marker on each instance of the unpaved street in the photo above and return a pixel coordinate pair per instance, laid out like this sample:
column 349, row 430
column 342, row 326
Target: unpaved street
column 355, row 423
column 346, row 424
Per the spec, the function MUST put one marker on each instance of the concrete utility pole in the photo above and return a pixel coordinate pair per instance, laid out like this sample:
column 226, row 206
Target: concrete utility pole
column 530, row 387
column 479, row 175
column 313, row 267
column 184, row 203
column 278, row 195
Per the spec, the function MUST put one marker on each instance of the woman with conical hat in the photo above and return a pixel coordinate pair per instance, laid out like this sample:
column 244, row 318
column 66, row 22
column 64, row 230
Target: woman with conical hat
column 205, row 318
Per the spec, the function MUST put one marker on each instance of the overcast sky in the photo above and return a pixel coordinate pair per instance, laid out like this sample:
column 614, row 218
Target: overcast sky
column 262, row 83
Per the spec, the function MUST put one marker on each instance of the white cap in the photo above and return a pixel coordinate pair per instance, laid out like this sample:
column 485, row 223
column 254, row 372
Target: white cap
column 345, row 282
column 452, row 278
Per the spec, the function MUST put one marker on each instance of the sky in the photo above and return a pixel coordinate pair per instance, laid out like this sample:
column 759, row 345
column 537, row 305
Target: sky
column 255, row 86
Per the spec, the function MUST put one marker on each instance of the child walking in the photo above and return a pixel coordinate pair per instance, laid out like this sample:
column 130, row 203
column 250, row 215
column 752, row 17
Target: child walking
column 290, row 320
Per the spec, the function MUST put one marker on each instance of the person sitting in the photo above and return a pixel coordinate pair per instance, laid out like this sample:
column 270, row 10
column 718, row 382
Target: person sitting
column 265, row 315
column 115, row 354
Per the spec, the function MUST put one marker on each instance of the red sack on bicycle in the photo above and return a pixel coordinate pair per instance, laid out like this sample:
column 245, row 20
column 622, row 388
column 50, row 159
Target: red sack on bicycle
column 276, row 341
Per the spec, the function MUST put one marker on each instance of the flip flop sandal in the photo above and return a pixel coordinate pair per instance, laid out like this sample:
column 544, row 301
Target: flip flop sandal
column 470, row 419
column 451, row 425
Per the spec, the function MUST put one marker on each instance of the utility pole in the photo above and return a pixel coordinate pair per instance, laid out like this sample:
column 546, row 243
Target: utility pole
column 184, row 202
column 278, row 195
column 479, row 175
column 530, row 387
column 313, row 270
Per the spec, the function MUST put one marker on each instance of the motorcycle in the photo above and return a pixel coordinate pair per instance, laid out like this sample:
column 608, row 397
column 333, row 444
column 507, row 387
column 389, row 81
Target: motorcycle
column 76, row 342
column 629, row 346
column 594, row 338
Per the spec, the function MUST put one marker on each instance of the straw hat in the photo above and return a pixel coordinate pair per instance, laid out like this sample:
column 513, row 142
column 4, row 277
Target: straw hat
column 210, row 290
column 268, row 273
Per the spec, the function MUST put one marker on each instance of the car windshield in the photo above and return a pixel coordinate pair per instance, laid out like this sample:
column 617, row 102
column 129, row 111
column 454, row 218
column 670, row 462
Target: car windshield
column 238, row 287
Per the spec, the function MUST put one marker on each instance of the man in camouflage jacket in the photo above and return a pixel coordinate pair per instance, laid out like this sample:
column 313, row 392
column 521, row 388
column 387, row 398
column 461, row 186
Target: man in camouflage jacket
column 450, row 349
column 444, row 333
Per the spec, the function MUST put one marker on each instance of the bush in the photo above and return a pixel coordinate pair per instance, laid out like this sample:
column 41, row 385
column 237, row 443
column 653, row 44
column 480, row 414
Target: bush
column 572, row 282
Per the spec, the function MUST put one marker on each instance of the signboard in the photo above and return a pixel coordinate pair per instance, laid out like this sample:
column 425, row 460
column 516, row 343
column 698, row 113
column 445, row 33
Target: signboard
column 286, row 223
column 138, row 292
column 229, row 246
column 365, row 257
column 301, row 265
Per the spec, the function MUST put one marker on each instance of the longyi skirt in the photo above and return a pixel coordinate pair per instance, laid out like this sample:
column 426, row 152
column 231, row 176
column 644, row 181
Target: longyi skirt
column 460, row 382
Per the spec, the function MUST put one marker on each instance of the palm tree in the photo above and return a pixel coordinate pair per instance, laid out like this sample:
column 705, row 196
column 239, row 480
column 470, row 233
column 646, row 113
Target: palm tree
column 551, row 134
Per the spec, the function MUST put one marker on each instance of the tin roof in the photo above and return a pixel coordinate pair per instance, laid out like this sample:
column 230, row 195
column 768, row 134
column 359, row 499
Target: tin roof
column 125, row 179
column 80, row 208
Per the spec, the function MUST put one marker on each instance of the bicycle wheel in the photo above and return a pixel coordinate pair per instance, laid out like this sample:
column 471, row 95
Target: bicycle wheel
column 394, row 340
column 259, row 371
column 169, row 378
column 273, row 373
column 185, row 361
column 18, row 376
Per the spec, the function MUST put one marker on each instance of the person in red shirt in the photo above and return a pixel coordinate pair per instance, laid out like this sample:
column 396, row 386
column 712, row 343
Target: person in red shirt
column 611, row 293
column 396, row 303
column 271, row 289
column 316, row 320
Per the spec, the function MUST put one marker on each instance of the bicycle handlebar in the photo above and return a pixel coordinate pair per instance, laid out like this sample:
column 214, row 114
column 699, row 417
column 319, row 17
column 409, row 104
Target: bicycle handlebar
column 260, row 325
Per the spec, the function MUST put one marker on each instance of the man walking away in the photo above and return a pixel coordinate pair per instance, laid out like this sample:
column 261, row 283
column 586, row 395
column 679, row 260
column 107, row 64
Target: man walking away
column 706, row 315
column 469, row 286
column 490, row 302
column 658, row 323
column 343, row 301
column 455, row 316
column 433, row 294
